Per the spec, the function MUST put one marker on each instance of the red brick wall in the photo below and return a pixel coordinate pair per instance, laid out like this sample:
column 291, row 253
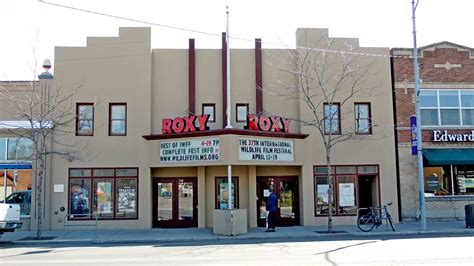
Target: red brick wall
column 405, row 135
column 403, row 69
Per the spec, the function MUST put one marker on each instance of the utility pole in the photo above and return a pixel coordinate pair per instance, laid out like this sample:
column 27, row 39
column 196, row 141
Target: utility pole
column 228, row 111
column 419, row 136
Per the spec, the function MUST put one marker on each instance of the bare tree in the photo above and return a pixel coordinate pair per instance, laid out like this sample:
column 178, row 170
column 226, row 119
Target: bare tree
column 327, row 74
column 41, row 113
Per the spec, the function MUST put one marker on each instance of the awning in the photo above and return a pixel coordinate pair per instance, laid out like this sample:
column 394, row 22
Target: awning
column 15, row 166
column 436, row 157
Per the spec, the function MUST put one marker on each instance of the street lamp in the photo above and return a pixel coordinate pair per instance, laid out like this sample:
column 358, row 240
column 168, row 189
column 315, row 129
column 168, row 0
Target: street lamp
column 419, row 140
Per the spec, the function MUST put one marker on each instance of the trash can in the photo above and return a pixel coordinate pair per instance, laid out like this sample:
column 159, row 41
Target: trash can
column 469, row 212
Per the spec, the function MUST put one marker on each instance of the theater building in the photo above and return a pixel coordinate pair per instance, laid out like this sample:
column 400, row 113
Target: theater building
column 447, row 120
column 161, row 145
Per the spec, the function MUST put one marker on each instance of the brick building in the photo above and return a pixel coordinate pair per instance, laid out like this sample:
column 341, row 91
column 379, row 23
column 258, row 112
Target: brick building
column 447, row 119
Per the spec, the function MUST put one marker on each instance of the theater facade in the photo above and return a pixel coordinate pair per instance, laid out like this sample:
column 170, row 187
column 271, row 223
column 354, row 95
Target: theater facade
column 161, row 143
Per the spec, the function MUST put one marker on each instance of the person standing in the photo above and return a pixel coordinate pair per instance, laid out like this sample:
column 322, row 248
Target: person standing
column 271, row 209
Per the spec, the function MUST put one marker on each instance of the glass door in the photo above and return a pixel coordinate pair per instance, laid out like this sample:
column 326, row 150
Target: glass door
column 174, row 202
column 288, row 209
column 263, row 191
column 286, row 189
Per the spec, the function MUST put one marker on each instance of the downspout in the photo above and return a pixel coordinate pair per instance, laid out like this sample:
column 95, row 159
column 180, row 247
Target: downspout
column 397, row 163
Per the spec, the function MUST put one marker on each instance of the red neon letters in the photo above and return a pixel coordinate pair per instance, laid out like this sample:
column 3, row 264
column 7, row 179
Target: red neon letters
column 184, row 124
column 265, row 123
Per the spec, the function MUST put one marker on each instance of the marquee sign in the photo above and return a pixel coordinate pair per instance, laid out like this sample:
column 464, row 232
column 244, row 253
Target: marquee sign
column 265, row 123
column 258, row 149
column 184, row 124
column 195, row 150
column 445, row 136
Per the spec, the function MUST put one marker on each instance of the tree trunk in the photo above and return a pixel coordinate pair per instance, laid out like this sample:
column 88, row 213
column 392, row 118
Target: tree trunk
column 330, row 190
column 40, row 170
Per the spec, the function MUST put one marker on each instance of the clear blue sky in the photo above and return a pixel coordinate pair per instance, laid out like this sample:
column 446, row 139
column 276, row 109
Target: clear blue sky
column 30, row 29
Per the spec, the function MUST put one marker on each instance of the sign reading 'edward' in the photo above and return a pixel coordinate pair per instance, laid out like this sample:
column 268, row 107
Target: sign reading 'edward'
column 444, row 136
column 184, row 124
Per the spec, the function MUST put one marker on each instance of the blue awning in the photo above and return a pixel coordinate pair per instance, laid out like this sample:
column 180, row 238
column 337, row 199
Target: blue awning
column 15, row 166
column 438, row 157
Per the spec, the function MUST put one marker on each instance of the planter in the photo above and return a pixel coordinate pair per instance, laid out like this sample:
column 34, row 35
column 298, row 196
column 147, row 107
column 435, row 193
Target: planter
column 230, row 222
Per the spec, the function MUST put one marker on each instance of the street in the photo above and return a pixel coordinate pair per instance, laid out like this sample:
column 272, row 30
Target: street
column 376, row 251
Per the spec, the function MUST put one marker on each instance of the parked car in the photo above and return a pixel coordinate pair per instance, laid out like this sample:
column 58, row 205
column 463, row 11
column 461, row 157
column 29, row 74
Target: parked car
column 22, row 198
column 9, row 217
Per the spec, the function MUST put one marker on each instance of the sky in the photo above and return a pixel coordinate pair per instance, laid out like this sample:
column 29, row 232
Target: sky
column 30, row 29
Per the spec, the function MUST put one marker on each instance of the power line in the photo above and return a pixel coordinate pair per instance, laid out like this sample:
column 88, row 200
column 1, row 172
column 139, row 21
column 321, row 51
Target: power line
column 218, row 35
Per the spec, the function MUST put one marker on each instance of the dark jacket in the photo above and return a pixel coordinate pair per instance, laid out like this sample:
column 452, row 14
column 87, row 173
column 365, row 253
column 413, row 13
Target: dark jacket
column 272, row 202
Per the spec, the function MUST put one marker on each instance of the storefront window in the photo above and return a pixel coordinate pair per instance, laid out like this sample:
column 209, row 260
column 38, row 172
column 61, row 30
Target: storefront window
column 449, row 180
column 113, row 196
column 322, row 170
column 222, row 195
column 103, row 198
column 126, row 198
column 346, row 192
column 19, row 149
column 80, row 172
column 370, row 169
column 15, row 180
column 103, row 172
column 3, row 144
column 126, row 172
column 346, row 181
column 80, row 197
column 322, row 197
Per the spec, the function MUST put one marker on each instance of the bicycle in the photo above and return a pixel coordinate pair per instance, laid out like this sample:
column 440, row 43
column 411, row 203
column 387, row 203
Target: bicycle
column 374, row 218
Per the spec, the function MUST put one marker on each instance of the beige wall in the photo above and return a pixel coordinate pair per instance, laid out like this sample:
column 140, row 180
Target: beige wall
column 154, row 84
column 375, row 88
column 107, row 70
column 276, row 80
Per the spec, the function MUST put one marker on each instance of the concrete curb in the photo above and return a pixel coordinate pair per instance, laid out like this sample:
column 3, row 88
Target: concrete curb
column 217, row 239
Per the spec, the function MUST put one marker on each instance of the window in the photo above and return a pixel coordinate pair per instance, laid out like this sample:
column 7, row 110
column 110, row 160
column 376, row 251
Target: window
column 85, row 119
column 103, row 197
column 449, row 180
column 22, row 198
column 126, row 192
column 332, row 119
column 117, row 119
column 109, row 193
column 209, row 109
column 3, row 144
column 447, row 107
column 322, row 196
column 346, row 181
column 362, row 118
column 222, row 195
column 242, row 110
column 80, row 190
column 19, row 149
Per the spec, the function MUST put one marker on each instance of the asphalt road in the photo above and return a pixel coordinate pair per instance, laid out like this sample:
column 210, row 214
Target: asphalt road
column 376, row 251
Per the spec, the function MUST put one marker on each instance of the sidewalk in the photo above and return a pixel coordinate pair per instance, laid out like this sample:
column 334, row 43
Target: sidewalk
column 121, row 236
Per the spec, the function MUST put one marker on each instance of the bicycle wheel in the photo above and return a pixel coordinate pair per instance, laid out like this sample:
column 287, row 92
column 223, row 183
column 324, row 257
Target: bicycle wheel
column 389, row 218
column 366, row 223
